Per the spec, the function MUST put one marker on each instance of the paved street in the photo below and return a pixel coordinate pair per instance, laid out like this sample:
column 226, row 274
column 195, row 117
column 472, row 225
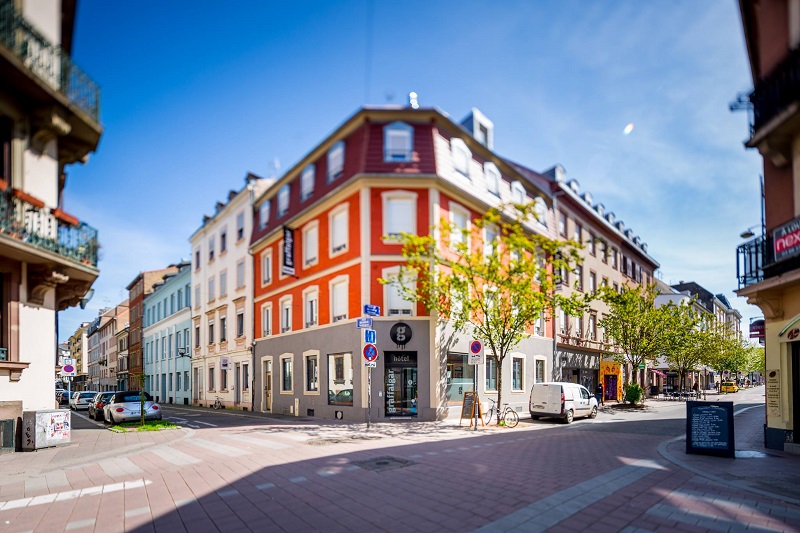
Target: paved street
column 227, row 471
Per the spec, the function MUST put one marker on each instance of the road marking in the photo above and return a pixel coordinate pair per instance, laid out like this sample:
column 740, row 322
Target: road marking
column 298, row 479
column 73, row 494
column 119, row 467
column 205, row 423
column 547, row 512
column 136, row 512
column 79, row 524
column 173, row 456
column 265, row 486
column 258, row 441
column 216, row 447
column 714, row 523
column 228, row 493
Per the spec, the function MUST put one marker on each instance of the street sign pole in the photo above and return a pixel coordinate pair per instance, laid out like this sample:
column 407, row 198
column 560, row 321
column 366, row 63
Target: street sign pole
column 369, row 396
column 475, row 408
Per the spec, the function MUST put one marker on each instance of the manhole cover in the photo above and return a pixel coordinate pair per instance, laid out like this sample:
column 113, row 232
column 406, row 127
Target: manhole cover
column 381, row 464
column 751, row 454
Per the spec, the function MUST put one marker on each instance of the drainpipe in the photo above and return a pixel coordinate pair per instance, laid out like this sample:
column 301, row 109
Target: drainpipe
column 253, row 376
column 556, row 194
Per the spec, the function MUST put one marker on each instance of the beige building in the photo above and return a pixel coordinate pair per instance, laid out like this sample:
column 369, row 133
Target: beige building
column 79, row 348
column 49, row 119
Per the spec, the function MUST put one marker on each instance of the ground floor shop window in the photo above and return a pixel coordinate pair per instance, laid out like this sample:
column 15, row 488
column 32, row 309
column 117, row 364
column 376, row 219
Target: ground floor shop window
column 223, row 379
column 340, row 379
column 460, row 377
column 491, row 373
column 211, row 378
column 311, row 373
column 517, row 369
column 286, row 375
column 245, row 377
column 400, row 383
column 539, row 370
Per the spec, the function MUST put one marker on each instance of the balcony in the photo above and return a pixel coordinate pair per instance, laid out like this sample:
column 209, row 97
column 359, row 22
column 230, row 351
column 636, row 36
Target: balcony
column 48, row 62
column 751, row 257
column 25, row 219
column 769, row 256
column 776, row 92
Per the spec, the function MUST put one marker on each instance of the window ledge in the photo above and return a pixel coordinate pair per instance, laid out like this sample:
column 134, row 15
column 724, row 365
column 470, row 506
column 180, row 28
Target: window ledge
column 14, row 368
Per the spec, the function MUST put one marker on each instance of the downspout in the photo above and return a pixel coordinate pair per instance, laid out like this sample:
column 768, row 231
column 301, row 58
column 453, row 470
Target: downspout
column 556, row 194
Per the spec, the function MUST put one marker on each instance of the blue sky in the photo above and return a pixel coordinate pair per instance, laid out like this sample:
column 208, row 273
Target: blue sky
column 197, row 94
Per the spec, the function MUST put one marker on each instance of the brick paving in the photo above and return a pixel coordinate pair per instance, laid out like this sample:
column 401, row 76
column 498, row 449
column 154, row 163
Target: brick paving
column 231, row 472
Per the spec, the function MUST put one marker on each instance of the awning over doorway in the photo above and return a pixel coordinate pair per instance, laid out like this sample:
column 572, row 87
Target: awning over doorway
column 658, row 372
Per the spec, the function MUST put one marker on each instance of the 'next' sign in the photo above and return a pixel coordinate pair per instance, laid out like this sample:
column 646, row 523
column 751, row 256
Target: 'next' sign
column 786, row 239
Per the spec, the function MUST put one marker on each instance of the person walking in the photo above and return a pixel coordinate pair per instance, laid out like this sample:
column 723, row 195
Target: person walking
column 598, row 393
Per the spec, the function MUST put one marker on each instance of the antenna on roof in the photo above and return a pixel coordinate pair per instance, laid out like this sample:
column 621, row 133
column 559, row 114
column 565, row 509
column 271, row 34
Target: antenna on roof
column 276, row 165
column 412, row 100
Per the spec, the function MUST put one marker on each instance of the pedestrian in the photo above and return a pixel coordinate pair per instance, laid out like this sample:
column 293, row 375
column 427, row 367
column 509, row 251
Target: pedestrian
column 696, row 389
column 598, row 393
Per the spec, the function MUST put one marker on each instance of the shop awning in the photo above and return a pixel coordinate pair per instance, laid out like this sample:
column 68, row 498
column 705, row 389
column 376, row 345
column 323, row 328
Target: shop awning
column 659, row 372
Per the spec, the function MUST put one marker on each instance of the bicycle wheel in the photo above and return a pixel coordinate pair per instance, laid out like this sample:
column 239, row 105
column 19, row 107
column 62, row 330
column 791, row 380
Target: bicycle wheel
column 487, row 416
column 511, row 418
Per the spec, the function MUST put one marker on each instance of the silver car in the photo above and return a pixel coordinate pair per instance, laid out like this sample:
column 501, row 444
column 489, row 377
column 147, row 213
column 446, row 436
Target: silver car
column 81, row 400
column 126, row 407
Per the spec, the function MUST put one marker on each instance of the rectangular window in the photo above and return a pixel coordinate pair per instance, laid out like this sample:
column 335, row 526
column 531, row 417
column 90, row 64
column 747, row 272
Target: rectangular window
column 223, row 328
column 240, row 226
column 311, row 308
column 340, row 379
column 579, row 278
column 223, row 379
column 335, row 161
column 307, row 182
column 266, row 268
column 517, row 373
column 211, row 379
column 185, row 380
column 395, row 304
column 339, row 231
column 538, row 326
column 592, row 282
column 283, row 200
column 491, row 374
column 263, row 214
column 245, row 377
column 577, row 236
column 223, row 241
column 180, row 298
column 171, row 303
column 311, row 374
column 489, row 240
column 459, row 219
column 614, row 259
column 210, row 332
column 562, row 322
column 211, row 249
column 399, row 216
column 592, row 245
column 339, row 300
column 188, row 303
column 197, row 259
column 604, row 282
column 539, row 369
column 286, row 316
column 286, row 375
column 240, row 274
column 562, row 224
column 197, row 336
column 310, row 245
column 177, row 381
column 398, row 142
column 592, row 326
column 604, row 251
column 266, row 321
column 223, row 283
column 240, row 323
column 579, row 327
column 211, row 290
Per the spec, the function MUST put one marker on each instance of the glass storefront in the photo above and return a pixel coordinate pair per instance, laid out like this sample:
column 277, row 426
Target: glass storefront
column 401, row 384
column 460, row 377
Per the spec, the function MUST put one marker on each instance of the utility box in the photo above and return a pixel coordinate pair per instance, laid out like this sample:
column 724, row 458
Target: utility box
column 44, row 429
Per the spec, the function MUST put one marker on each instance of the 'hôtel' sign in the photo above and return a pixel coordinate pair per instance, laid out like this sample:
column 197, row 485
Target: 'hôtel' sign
column 786, row 239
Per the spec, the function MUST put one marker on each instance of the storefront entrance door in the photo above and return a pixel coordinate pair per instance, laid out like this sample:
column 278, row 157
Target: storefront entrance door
column 400, row 384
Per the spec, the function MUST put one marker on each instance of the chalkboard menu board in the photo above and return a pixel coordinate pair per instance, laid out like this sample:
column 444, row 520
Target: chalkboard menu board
column 468, row 407
column 709, row 428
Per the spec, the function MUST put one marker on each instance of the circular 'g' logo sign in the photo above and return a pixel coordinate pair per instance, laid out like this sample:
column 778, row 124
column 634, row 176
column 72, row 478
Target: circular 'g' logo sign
column 400, row 333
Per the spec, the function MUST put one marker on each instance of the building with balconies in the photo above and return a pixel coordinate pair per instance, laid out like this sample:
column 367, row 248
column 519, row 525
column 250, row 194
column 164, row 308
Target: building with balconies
column 79, row 348
column 768, row 266
column 123, row 377
column 49, row 119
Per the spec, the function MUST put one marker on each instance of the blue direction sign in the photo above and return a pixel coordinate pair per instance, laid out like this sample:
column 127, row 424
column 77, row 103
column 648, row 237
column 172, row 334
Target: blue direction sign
column 370, row 352
column 372, row 310
column 370, row 337
column 364, row 322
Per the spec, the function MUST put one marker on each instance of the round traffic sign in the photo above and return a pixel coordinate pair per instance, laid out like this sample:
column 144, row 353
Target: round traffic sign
column 475, row 347
column 370, row 352
column 68, row 369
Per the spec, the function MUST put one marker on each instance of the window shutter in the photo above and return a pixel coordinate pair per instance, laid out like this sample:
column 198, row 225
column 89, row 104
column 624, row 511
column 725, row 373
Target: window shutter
column 340, row 300
column 311, row 245
column 339, row 231
column 398, row 213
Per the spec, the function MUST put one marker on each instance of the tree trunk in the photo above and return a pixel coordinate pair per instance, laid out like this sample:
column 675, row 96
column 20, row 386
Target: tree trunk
column 499, row 387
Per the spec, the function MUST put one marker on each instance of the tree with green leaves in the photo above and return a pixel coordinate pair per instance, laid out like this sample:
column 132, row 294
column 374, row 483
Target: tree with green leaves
column 687, row 338
column 493, row 280
column 635, row 327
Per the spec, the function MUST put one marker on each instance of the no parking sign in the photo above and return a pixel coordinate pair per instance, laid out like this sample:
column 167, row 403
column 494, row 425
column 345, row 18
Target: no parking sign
column 475, row 352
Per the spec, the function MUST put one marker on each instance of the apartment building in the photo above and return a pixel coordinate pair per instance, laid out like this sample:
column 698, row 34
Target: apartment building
column 222, row 309
column 79, row 348
column 324, row 236
column 111, row 321
column 122, row 336
column 48, row 258
column 167, row 342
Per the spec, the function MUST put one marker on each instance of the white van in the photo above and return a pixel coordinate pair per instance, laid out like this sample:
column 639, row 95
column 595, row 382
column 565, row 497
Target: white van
column 562, row 400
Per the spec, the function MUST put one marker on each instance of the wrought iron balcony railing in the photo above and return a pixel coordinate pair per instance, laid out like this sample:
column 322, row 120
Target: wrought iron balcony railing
column 751, row 259
column 776, row 92
column 47, row 61
column 43, row 228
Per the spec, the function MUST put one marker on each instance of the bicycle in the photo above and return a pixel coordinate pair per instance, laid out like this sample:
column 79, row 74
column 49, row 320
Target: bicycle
column 509, row 417
column 217, row 404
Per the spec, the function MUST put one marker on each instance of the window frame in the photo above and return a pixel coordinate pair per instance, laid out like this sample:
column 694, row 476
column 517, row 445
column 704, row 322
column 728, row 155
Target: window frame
column 263, row 214
column 307, row 357
column 521, row 359
column 492, row 184
column 340, row 210
column 285, row 313
column 266, row 257
column 392, row 273
column 344, row 279
column 266, row 317
column 398, row 195
column 284, row 195
column 490, row 362
column 240, row 223
column 454, row 209
column 312, row 226
column 287, row 357
column 335, row 171
column 398, row 129
column 311, row 294
column 459, row 151
column 307, row 182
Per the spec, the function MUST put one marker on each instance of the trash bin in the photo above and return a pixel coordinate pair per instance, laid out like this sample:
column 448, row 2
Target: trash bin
column 43, row 429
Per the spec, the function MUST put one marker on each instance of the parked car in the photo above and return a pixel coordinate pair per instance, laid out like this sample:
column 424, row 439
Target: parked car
column 80, row 400
column 728, row 386
column 566, row 401
column 125, row 406
column 98, row 402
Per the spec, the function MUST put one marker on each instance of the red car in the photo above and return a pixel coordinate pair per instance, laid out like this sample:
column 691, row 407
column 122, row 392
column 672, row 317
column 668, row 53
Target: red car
column 97, row 404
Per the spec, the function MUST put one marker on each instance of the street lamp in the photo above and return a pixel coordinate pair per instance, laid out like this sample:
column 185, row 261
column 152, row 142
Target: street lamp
column 184, row 352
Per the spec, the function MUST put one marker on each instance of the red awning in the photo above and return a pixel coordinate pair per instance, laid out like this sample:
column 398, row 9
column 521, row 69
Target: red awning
column 659, row 372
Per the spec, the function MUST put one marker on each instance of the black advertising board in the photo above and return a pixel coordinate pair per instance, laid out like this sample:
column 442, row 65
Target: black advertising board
column 709, row 429
column 287, row 267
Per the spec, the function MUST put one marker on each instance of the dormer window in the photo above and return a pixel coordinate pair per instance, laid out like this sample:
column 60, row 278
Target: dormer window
column 263, row 214
column 335, row 161
column 540, row 209
column 398, row 142
column 461, row 156
column 517, row 192
column 307, row 182
column 492, row 178
column 283, row 200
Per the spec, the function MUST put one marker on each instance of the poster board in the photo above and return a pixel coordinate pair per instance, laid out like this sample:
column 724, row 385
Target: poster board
column 468, row 407
column 709, row 429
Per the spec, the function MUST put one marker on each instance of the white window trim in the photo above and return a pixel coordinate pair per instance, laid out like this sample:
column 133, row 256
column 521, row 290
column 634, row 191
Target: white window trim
column 454, row 207
column 306, row 293
column 266, row 308
column 306, row 355
column 487, row 356
column 490, row 168
column 517, row 187
column 331, row 177
column 496, row 240
column 390, row 273
column 285, row 299
column 522, row 372
column 399, row 195
column 311, row 226
column 244, row 274
column 543, row 359
column 335, row 281
column 400, row 127
column 345, row 207
column 457, row 144
column 310, row 170
column 540, row 208
column 283, row 357
column 282, row 212
column 263, row 221
column 267, row 255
